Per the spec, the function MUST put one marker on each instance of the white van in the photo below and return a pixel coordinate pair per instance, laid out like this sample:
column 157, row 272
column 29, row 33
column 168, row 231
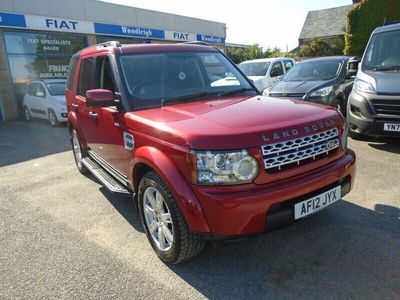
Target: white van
column 266, row 71
column 374, row 104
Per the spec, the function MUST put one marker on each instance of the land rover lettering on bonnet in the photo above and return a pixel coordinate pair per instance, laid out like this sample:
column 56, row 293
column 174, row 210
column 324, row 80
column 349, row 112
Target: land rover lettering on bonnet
column 203, row 156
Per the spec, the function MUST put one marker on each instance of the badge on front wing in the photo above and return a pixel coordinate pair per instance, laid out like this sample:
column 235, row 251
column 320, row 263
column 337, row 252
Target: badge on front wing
column 129, row 141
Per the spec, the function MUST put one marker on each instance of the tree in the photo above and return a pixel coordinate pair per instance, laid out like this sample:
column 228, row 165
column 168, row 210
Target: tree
column 319, row 47
column 364, row 18
column 252, row 52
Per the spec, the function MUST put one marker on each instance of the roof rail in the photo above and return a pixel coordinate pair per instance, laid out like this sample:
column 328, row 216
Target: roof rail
column 197, row 43
column 386, row 22
column 108, row 44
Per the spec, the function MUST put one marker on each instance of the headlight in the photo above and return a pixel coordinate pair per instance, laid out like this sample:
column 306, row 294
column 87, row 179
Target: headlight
column 322, row 92
column 222, row 167
column 344, row 136
column 363, row 86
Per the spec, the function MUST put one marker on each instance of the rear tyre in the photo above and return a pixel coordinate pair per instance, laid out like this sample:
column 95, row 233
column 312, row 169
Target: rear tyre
column 164, row 224
column 27, row 114
column 53, row 118
column 79, row 152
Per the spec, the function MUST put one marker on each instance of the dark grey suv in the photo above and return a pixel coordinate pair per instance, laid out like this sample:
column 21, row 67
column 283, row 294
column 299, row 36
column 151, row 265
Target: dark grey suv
column 324, row 80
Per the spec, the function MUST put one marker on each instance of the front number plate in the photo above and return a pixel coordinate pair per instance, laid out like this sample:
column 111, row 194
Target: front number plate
column 392, row 127
column 316, row 203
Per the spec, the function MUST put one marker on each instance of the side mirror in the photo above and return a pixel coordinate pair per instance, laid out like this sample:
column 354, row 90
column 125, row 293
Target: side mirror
column 352, row 67
column 99, row 98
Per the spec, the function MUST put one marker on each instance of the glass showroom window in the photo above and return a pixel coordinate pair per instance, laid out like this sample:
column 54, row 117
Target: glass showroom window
column 39, row 56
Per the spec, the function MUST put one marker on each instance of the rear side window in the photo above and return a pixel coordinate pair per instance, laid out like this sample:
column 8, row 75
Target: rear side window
column 86, row 76
column 71, row 71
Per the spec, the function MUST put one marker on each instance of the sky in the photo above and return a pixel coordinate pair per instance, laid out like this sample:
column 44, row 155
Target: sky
column 270, row 23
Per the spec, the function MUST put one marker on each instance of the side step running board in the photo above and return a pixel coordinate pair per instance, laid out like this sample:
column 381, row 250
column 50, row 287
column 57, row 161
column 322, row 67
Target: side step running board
column 106, row 179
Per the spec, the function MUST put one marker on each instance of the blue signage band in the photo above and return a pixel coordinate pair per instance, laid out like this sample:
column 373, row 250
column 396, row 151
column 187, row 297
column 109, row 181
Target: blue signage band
column 12, row 20
column 19, row 21
column 122, row 30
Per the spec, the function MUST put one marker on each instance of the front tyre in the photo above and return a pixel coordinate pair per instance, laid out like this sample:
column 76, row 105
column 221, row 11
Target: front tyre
column 27, row 114
column 79, row 152
column 53, row 118
column 163, row 221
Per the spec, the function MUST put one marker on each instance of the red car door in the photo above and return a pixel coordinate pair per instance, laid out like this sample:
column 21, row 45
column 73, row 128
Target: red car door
column 103, row 127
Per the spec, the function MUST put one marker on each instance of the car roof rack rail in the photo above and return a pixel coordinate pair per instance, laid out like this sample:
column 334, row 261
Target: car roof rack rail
column 197, row 43
column 387, row 22
column 108, row 44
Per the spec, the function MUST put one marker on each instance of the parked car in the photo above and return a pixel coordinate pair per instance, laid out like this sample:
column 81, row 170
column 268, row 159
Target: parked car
column 266, row 71
column 322, row 80
column 45, row 99
column 374, row 103
column 200, row 161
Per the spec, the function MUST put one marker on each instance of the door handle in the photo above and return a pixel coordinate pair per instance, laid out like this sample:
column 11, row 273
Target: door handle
column 74, row 106
column 93, row 115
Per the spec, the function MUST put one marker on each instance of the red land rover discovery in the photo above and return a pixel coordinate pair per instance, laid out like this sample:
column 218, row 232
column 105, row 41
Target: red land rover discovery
column 203, row 155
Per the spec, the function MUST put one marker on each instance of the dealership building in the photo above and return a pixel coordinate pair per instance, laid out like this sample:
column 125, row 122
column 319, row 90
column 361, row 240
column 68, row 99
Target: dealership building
column 38, row 37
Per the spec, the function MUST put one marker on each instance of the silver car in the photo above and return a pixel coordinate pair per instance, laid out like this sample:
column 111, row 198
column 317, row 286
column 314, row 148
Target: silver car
column 45, row 99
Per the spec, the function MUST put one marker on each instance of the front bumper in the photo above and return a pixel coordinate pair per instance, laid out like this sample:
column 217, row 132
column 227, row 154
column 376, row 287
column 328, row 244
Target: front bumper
column 251, row 209
column 363, row 119
column 61, row 113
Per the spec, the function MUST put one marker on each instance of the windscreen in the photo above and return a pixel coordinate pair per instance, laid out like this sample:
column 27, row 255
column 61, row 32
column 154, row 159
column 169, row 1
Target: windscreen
column 316, row 70
column 158, row 77
column 383, row 51
column 254, row 69
column 56, row 88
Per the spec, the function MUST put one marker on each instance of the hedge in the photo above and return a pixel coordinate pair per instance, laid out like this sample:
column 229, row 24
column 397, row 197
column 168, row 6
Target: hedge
column 364, row 18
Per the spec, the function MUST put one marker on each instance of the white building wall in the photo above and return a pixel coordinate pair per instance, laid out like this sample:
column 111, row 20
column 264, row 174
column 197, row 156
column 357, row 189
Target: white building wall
column 92, row 10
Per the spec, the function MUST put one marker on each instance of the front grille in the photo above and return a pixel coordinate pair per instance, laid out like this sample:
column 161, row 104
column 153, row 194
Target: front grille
column 386, row 107
column 295, row 152
column 288, row 95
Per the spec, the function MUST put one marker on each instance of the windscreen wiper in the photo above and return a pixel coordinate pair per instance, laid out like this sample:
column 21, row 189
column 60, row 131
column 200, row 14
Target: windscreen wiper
column 388, row 68
column 233, row 92
column 189, row 97
column 183, row 98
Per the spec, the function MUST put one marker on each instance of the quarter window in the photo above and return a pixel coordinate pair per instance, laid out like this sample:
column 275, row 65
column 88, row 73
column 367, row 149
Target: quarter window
column 288, row 64
column 40, row 92
column 71, row 71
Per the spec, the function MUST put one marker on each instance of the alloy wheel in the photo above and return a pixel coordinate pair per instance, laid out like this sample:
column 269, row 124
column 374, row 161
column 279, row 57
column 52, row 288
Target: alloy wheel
column 27, row 114
column 52, row 118
column 158, row 219
column 77, row 149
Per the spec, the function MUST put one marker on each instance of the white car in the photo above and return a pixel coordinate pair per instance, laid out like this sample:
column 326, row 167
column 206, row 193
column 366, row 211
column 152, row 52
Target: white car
column 45, row 99
column 266, row 71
